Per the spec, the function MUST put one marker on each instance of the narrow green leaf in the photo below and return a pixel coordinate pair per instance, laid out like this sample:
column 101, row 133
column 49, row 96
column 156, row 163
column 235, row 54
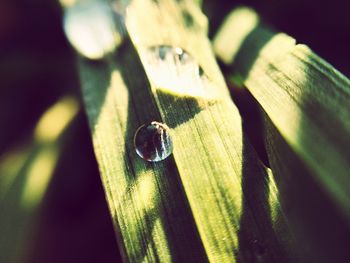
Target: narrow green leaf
column 305, row 102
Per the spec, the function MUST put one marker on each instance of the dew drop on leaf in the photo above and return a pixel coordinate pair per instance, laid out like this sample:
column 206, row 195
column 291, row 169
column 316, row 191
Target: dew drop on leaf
column 153, row 142
column 173, row 69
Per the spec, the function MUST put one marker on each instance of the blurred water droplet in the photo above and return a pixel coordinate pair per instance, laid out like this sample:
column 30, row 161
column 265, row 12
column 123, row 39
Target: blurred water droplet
column 90, row 27
column 153, row 142
column 174, row 69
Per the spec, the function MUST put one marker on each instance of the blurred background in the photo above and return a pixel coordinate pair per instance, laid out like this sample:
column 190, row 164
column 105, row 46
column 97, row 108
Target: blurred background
column 52, row 205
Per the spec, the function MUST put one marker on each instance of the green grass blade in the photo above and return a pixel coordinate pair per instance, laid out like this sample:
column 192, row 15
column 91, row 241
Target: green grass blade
column 305, row 102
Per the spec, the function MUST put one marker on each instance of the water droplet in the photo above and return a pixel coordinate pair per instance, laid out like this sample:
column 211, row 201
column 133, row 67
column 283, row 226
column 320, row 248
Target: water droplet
column 91, row 28
column 153, row 142
column 174, row 69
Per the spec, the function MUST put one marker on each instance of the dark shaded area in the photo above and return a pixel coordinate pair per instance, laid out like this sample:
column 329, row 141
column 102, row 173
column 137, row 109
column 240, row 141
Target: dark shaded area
column 37, row 67
column 251, row 120
column 249, row 50
column 322, row 25
column 259, row 236
column 190, row 104
column 245, row 102
column 258, row 239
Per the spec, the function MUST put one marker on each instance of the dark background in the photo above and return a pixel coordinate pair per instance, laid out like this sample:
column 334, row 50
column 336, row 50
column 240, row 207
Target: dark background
column 37, row 66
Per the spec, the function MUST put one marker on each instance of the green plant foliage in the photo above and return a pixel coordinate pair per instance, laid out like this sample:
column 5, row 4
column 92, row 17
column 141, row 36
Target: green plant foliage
column 304, row 101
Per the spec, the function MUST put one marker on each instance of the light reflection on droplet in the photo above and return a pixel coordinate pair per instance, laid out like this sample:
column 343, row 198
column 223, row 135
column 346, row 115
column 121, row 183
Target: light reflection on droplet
column 153, row 142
